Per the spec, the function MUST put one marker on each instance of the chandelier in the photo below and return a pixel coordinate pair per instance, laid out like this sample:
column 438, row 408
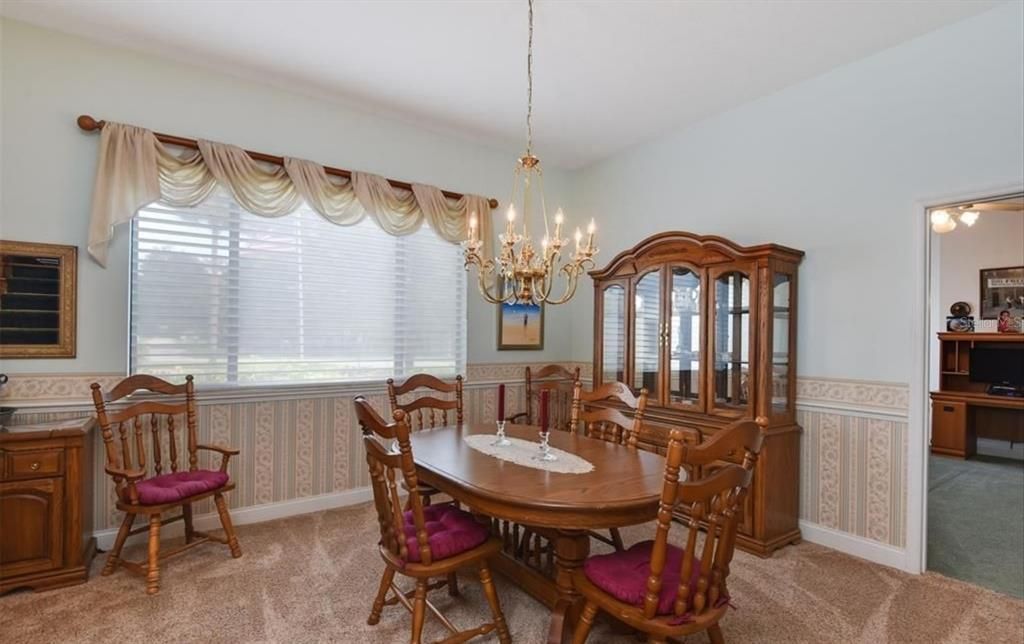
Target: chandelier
column 521, row 274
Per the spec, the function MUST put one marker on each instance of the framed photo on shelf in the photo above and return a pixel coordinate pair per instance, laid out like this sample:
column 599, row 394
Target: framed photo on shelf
column 1002, row 289
column 520, row 327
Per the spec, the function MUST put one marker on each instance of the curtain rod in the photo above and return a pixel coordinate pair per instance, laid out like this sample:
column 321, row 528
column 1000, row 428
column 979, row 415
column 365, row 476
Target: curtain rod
column 89, row 124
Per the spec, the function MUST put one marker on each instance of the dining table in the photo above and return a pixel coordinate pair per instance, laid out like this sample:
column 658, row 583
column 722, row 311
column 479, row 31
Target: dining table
column 527, row 501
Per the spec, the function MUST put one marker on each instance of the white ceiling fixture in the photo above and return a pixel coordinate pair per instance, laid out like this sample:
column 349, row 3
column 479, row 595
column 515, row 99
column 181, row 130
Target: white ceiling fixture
column 944, row 220
column 611, row 73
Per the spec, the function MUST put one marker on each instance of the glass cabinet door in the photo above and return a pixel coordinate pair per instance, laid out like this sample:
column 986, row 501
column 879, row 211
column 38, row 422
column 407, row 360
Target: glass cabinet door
column 647, row 333
column 613, row 334
column 730, row 336
column 684, row 336
column 780, row 368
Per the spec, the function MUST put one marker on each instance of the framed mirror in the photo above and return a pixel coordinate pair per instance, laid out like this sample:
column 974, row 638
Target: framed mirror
column 37, row 300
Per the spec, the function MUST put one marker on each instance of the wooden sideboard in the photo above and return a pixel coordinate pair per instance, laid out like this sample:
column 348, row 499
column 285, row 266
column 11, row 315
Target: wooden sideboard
column 46, row 505
column 961, row 409
column 709, row 328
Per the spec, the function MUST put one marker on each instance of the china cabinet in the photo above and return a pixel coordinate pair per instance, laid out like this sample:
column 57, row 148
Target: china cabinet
column 709, row 328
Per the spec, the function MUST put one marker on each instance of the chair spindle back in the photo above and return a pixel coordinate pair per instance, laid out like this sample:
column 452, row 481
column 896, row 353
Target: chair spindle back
column 388, row 451
column 716, row 499
column 427, row 411
column 558, row 382
column 608, row 423
column 126, row 451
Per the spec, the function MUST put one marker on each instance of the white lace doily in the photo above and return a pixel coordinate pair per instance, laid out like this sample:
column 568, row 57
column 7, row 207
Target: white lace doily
column 522, row 452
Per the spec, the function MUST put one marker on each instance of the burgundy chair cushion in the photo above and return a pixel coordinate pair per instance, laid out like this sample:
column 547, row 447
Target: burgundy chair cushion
column 623, row 575
column 168, row 488
column 450, row 531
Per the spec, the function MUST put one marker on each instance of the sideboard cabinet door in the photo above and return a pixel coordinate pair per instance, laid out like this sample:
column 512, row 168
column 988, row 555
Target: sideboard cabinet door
column 31, row 519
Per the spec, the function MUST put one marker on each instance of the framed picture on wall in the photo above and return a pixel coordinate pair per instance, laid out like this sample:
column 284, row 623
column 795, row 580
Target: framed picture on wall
column 1002, row 289
column 520, row 327
column 38, row 293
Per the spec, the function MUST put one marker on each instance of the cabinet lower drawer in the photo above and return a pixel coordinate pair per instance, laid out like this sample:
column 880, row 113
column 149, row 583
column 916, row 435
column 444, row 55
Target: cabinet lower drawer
column 32, row 464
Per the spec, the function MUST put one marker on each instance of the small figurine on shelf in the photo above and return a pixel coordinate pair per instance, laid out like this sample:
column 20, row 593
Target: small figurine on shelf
column 1006, row 323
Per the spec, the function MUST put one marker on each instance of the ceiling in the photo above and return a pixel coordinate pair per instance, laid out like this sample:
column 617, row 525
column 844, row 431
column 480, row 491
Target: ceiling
column 607, row 74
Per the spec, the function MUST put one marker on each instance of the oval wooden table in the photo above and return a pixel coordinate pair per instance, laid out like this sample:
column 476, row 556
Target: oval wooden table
column 622, row 489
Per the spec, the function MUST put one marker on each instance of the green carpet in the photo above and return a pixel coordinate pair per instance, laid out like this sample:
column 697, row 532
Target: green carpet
column 976, row 521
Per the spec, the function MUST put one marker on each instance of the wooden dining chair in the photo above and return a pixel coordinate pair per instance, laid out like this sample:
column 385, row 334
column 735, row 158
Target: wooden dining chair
column 142, row 485
column 424, row 411
column 593, row 417
column 663, row 590
column 558, row 382
column 423, row 542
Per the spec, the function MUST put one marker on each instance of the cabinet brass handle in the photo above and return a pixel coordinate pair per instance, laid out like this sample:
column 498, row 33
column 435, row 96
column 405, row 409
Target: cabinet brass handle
column 34, row 466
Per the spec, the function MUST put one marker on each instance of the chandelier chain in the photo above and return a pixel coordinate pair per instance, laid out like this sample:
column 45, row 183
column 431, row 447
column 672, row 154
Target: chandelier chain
column 529, row 86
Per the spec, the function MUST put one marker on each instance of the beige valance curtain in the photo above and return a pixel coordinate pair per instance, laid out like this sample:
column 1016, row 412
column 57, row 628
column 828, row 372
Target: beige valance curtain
column 135, row 170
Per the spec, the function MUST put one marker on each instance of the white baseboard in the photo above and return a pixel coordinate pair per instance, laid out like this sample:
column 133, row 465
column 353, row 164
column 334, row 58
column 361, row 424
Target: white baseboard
column 251, row 514
column 851, row 544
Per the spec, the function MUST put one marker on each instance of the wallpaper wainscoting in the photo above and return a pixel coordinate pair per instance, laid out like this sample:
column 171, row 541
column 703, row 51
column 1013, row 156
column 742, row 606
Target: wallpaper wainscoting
column 292, row 448
column 853, row 461
column 853, row 447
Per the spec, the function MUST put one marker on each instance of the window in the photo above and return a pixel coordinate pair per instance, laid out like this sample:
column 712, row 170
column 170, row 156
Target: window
column 235, row 298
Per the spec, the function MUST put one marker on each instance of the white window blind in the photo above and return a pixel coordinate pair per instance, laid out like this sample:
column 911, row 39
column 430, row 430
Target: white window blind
column 235, row 298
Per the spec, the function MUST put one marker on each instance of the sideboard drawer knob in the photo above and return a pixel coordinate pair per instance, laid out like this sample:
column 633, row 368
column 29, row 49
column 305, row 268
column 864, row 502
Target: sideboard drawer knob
column 34, row 466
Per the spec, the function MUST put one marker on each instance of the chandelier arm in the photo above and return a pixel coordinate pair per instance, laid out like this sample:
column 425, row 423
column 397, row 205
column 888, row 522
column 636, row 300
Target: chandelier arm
column 572, row 271
column 483, row 269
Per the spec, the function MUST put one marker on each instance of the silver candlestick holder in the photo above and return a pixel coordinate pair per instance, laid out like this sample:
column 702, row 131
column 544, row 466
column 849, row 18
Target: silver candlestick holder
column 502, row 441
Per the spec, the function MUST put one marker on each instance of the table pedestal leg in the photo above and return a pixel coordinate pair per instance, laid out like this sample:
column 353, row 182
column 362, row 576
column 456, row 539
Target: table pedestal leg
column 571, row 549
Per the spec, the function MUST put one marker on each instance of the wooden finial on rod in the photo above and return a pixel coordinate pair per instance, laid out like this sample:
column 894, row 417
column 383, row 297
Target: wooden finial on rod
column 89, row 124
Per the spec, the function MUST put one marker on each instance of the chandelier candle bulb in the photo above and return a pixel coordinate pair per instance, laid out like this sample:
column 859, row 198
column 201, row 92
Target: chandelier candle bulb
column 472, row 227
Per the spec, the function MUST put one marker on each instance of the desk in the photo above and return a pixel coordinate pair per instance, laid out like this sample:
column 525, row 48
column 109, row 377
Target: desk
column 623, row 489
column 960, row 417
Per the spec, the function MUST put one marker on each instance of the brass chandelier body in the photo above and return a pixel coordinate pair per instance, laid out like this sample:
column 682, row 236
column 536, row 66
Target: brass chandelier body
column 520, row 274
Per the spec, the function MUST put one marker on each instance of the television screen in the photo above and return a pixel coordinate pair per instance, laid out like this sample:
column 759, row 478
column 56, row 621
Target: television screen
column 998, row 366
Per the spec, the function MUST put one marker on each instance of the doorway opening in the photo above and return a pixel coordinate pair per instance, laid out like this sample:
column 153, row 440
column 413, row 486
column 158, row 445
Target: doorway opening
column 975, row 422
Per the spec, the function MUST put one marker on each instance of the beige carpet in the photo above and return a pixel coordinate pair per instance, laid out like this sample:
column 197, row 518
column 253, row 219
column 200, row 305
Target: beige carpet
column 312, row 579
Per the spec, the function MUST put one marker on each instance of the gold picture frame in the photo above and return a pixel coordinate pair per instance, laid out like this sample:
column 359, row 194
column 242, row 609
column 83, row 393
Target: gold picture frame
column 38, row 293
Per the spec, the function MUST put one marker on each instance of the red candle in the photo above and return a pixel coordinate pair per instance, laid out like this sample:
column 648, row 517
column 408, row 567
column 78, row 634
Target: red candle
column 544, row 411
column 501, row 402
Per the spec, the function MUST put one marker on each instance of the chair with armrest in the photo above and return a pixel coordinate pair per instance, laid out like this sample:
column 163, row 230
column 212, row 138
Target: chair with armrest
column 608, row 423
column 422, row 542
column 663, row 590
column 558, row 382
column 143, row 488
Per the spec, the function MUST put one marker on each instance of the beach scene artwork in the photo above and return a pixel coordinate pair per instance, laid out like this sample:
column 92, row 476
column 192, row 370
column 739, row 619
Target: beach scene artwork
column 521, row 326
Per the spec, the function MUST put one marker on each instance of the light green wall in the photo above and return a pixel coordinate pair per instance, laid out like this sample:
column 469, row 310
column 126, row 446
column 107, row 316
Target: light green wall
column 48, row 164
